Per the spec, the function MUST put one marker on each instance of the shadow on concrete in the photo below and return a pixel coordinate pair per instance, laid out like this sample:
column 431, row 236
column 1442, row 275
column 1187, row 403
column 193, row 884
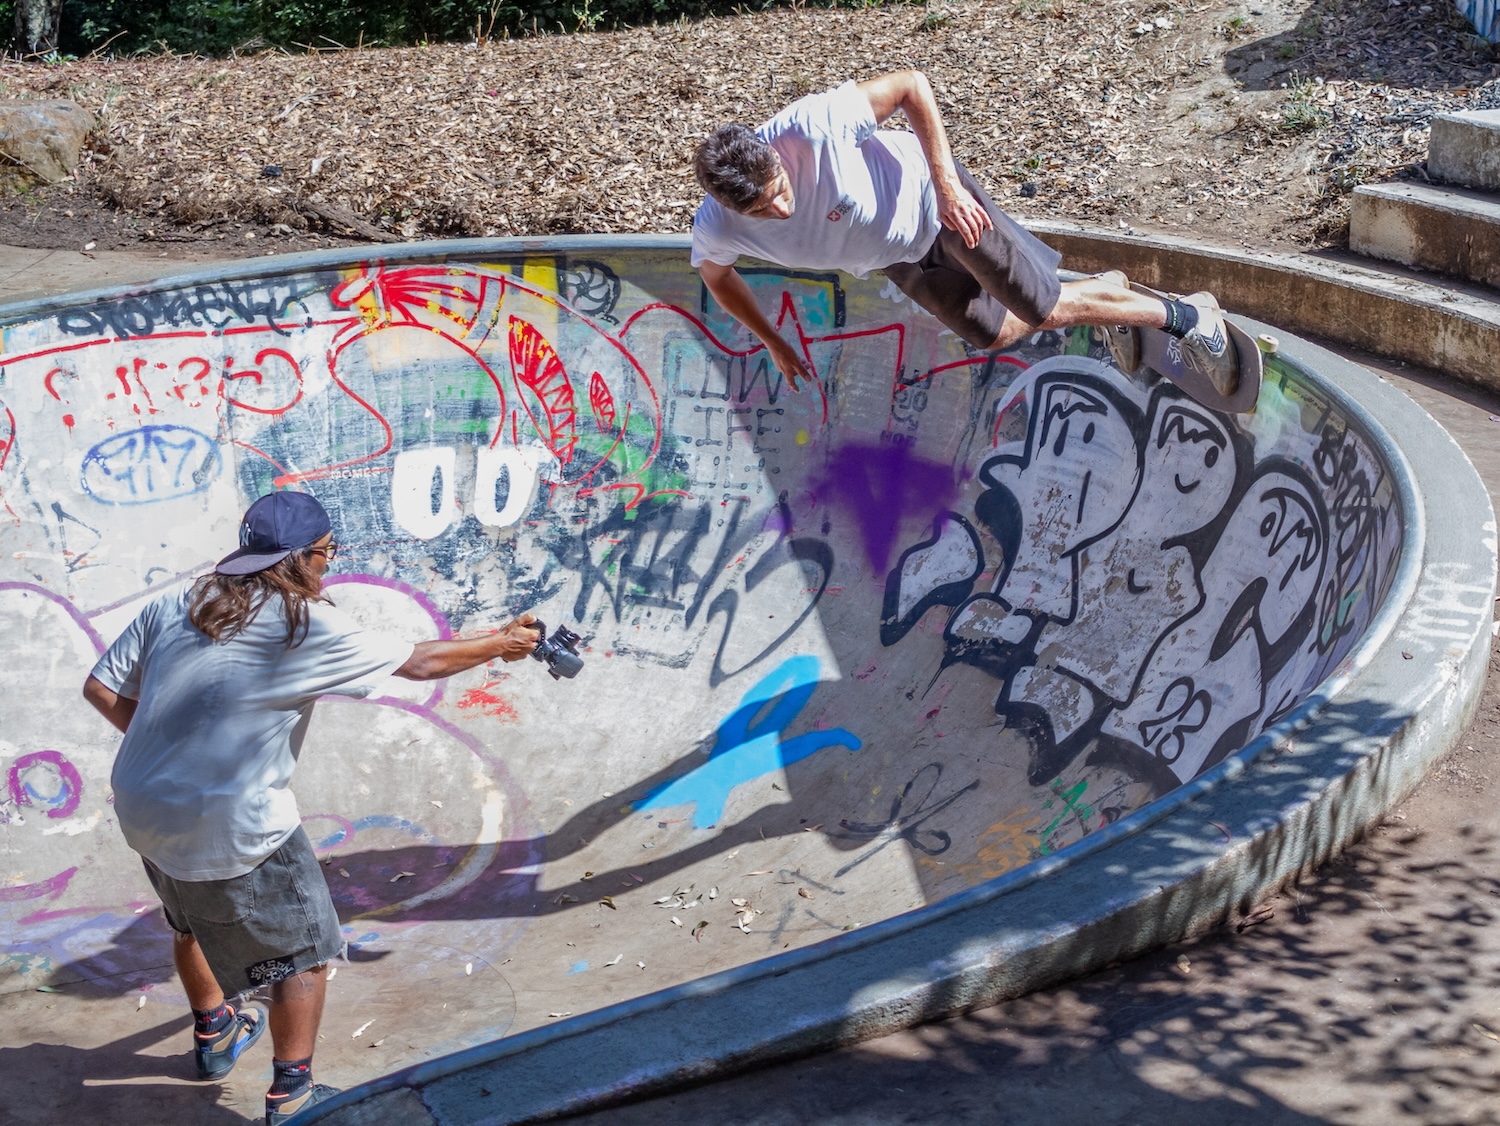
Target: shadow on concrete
column 1412, row 46
column 121, row 1069
column 1266, row 1023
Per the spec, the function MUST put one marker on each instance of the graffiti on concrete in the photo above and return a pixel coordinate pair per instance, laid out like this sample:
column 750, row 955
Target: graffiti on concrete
column 935, row 615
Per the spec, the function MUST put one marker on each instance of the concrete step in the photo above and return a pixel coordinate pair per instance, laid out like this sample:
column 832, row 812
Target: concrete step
column 1465, row 149
column 1448, row 230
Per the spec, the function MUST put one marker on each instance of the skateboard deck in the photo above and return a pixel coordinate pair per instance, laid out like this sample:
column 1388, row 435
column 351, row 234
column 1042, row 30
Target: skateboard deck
column 1162, row 354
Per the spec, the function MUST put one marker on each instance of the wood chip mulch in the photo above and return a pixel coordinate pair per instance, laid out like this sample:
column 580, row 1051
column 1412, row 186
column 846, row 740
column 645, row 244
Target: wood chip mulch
column 1253, row 122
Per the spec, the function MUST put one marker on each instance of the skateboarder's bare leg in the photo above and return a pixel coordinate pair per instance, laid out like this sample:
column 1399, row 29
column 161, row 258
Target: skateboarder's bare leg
column 1102, row 300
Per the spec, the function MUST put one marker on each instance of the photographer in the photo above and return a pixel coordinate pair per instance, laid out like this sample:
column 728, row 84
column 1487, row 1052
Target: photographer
column 214, row 687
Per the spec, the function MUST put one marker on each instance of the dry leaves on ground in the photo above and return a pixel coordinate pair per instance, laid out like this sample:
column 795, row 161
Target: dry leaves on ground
column 1216, row 117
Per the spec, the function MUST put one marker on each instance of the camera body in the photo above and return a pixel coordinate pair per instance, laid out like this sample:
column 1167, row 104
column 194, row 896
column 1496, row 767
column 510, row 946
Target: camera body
column 559, row 652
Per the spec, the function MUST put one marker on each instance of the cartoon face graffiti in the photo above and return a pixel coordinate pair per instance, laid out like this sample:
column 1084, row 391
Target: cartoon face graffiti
column 1071, row 483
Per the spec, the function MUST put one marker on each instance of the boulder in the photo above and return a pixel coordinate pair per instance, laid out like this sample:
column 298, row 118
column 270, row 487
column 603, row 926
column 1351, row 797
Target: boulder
column 40, row 141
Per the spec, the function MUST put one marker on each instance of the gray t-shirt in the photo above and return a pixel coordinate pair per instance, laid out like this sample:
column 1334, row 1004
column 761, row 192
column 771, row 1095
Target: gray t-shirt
column 863, row 196
column 201, row 782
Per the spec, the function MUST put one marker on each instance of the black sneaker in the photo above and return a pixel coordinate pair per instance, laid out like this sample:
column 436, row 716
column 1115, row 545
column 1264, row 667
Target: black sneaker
column 296, row 1104
column 216, row 1055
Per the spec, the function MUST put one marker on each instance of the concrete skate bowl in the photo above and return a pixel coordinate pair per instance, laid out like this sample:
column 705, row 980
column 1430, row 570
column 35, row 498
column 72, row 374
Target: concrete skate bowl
column 939, row 680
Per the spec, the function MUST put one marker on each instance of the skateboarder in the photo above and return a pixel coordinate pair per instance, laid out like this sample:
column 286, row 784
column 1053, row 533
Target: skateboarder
column 821, row 186
column 213, row 688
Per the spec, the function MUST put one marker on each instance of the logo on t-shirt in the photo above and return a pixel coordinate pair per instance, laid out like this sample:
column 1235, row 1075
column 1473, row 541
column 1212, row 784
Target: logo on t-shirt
column 845, row 206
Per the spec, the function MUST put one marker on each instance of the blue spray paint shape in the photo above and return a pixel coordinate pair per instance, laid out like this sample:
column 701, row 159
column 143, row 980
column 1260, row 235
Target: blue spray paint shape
column 150, row 463
column 747, row 747
column 577, row 968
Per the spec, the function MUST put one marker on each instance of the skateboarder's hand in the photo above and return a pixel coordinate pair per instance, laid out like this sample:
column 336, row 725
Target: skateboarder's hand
column 787, row 361
column 961, row 212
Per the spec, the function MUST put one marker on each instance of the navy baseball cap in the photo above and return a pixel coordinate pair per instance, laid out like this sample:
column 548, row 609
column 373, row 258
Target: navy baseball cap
column 275, row 526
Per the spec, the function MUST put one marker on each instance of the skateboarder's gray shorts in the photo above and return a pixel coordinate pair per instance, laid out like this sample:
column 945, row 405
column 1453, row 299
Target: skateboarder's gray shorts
column 274, row 921
column 970, row 290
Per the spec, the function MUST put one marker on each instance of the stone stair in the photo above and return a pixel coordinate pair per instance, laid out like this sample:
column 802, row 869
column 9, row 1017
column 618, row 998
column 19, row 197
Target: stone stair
column 1451, row 227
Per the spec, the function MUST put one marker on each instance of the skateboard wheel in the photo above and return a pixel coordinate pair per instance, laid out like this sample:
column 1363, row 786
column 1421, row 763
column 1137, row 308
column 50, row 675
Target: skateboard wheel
column 1267, row 343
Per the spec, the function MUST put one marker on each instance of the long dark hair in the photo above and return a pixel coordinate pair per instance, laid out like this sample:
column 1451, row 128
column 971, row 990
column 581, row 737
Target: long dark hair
column 223, row 605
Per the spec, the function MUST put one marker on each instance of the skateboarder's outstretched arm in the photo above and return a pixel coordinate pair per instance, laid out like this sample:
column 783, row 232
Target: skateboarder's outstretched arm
column 910, row 92
column 734, row 296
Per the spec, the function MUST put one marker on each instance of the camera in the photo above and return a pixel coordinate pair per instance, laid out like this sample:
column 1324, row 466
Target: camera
column 558, row 652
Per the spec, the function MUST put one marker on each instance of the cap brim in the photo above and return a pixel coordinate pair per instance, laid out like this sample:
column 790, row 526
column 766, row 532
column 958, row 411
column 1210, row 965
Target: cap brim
column 243, row 562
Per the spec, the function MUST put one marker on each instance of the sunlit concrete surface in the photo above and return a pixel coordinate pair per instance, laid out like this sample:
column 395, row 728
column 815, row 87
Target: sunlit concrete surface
column 929, row 639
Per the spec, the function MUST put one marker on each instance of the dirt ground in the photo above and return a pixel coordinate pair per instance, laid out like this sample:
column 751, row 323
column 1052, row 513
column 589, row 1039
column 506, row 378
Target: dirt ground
column 1369, row 995
column 1251, row 118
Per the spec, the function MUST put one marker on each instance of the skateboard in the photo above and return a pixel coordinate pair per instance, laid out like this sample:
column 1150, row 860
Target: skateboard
column 1134, row 348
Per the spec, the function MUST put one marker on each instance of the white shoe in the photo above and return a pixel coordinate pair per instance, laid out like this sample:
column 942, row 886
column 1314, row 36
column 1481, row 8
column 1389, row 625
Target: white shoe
column 1206, row 348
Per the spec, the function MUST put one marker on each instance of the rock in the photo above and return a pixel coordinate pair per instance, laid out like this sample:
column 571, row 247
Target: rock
column 40, row 141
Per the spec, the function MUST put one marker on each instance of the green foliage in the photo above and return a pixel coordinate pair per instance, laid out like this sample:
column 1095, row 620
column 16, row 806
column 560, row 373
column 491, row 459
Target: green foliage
column 1302, row 112
column 216, row 27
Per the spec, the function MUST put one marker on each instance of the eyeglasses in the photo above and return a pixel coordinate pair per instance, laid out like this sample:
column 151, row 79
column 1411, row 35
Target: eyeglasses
column 327, row 551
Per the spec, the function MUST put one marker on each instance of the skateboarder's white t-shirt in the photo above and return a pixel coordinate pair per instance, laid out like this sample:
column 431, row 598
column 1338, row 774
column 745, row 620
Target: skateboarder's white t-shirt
column 863, row 195
column 201, row 780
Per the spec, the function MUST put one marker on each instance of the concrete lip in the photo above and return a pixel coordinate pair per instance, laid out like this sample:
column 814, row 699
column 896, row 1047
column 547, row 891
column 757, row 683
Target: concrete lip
column 960, row 674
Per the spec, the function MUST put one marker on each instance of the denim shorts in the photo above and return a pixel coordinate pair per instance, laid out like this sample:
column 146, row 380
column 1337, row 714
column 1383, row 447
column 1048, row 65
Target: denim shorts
column 254, row 930
column 971, row 290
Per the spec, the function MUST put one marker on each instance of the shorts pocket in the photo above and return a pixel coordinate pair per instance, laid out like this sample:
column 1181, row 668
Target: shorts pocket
column 224, row 903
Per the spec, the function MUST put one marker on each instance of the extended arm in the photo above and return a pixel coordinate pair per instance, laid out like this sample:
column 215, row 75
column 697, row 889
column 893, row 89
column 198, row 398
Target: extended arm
column 734, row 296
column 432, row 660
column 910, row 92
column 119, row 710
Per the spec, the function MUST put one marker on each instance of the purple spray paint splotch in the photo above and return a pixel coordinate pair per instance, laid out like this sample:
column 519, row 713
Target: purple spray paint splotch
column 880, row 486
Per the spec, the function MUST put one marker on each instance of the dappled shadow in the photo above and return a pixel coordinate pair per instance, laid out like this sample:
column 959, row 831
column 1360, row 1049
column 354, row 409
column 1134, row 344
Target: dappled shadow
column 1366, row 992
column 1411, row 46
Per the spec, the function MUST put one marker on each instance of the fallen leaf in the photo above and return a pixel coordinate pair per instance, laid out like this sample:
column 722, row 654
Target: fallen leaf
column 401, row 876
column 760, row 872
column 564, row 1014
column 1183, row 964
column 713, row 892
column 360, row 1031
column 614, row 962
column 606, row 901
column 436, row 803
column 676, row 922
column 588, row 875
column 1485, row 1031
column 48, row 989
column 739, row 902
column 141, row 1004
column 468, row 968
column 640, row 965
column 698, row 930
column 344, row 872
column 804, row 893
column 377, row 1043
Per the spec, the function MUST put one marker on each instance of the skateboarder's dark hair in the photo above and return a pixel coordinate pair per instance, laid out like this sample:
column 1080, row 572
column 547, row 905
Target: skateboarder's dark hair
column 734, row 166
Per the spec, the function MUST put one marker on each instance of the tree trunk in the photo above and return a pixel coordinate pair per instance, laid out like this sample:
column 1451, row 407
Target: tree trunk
column 37, row 24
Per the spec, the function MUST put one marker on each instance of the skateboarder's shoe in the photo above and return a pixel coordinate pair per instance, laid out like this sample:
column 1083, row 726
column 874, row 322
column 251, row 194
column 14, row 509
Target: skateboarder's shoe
column 1206, row 348
column 1123, row 341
